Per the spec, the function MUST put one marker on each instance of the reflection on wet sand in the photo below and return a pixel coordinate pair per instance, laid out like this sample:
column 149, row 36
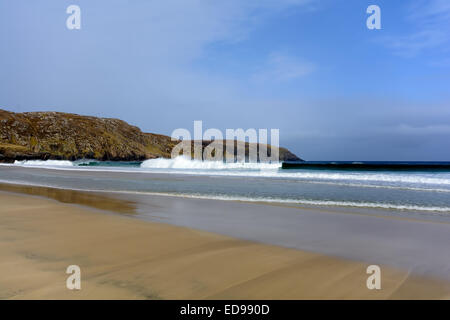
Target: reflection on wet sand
column 90, row 199
column 123, row 258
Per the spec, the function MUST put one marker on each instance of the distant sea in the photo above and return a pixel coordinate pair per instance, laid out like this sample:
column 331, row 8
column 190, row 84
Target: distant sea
column 415, row 186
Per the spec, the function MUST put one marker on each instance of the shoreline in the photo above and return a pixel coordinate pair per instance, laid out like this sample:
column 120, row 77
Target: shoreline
column 313, row 204
column 58, row 192
column 126, row 258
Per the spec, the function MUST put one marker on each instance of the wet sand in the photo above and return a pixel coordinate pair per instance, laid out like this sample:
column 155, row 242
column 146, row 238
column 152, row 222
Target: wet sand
column 122, row 257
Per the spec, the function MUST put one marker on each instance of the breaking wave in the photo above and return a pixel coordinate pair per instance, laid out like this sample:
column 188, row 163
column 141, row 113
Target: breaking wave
column 419, row 181
column 40, row 163
column 186, row 163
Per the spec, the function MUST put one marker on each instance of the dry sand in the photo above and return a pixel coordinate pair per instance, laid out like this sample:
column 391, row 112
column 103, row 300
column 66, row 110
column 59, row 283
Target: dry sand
column 125, row 258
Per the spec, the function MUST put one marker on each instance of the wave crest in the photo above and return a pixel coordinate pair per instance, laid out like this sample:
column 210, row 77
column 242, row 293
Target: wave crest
column 186, row 163
column 39, row 163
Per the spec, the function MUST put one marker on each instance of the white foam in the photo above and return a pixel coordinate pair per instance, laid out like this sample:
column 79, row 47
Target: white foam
column 183, row 165
column 371, row 205
column 186, row 163
column 40, row 163
column 370, row 177
column 186, row 166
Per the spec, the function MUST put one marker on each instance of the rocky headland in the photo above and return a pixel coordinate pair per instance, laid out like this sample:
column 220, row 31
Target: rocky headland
column 64, row 136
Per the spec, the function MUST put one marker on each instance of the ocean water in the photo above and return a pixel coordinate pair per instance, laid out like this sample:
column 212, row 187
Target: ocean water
column 417, row 190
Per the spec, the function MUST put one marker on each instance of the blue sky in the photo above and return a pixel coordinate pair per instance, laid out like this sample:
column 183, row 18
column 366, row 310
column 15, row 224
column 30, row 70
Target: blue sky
column 311, row 68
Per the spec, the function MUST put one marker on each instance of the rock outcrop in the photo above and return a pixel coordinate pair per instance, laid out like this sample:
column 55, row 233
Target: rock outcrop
column 64, row 136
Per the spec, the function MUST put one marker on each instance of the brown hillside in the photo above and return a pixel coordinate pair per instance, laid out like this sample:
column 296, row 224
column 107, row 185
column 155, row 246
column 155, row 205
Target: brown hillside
column 55, row 135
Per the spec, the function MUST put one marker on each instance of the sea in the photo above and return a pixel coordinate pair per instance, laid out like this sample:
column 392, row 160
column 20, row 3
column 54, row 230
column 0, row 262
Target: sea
column 417, row 186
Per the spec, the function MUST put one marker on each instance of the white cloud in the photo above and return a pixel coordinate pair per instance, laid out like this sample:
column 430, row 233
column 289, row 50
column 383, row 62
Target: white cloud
column 182, row 29
column 430, row 21
column 166, row 39
column 281, row 67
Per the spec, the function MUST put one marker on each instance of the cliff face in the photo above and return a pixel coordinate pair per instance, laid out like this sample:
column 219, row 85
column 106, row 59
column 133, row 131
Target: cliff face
column 54, row 135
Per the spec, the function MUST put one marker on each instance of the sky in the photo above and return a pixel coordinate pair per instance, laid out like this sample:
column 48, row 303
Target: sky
column 335, row 89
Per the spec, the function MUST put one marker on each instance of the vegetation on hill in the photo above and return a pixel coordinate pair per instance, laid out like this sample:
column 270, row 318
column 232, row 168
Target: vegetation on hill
column 64, row 136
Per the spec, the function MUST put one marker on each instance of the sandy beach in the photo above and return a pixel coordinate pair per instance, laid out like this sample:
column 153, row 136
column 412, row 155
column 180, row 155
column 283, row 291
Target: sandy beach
column 122, row 257
column 225, row 150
